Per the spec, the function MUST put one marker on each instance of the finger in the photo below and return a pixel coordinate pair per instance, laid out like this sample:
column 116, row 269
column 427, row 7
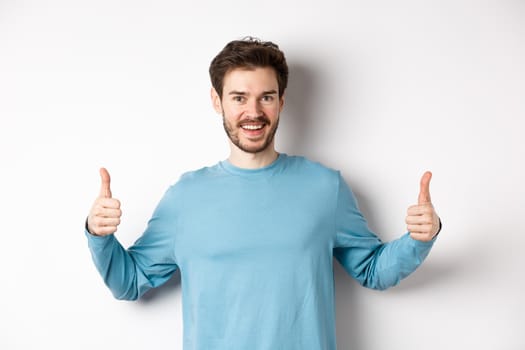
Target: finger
column 424, row 188
column 418, row 220
column 101, row 226
column 105, row 222
column 105, row 190
column 423, row 209
column 420, row 229
column 111, row 203
column 424, row 237
column 107, row 212
column 105, row 230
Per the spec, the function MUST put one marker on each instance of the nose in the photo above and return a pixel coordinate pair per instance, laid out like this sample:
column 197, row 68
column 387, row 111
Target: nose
column 253, row 109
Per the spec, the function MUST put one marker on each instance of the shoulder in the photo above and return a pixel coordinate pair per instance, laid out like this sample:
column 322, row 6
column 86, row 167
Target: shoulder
column 195, row 178
column 199, row 174
column 309, row 166
column 311, row 170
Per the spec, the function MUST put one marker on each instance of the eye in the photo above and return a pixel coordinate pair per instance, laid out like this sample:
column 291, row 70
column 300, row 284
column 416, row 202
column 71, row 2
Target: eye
column 238, row 98
column 268, row 98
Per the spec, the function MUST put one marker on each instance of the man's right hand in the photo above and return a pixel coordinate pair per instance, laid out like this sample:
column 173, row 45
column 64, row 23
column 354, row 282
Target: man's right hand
column 105, row 213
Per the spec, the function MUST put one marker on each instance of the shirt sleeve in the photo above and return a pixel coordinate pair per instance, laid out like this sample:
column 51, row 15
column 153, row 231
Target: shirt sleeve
column 148, row 263
column 373, row 263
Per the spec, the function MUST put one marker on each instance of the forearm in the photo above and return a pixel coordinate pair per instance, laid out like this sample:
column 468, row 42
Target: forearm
column 388, row 263
column 116, row 266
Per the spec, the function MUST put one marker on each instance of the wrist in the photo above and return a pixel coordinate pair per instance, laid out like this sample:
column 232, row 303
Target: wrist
column 86, row 226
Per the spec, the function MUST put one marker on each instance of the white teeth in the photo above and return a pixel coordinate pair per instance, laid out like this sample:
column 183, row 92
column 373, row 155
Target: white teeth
column 252, row 127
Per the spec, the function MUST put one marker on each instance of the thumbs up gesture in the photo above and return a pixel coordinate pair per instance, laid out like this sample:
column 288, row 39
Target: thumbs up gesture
column 422, row 221
column 105, row 213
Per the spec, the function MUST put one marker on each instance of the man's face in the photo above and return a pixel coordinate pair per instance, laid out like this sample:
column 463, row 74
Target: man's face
column 250, row 107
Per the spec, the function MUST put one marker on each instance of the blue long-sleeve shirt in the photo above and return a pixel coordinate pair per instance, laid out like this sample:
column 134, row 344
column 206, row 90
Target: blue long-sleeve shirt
column 255, row 251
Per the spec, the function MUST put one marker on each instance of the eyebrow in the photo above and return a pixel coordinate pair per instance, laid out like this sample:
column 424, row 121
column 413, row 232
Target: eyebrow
column 242, row 93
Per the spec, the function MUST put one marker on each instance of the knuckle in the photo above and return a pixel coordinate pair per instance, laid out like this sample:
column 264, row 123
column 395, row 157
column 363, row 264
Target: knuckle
column 108, row 230
column 96, row 221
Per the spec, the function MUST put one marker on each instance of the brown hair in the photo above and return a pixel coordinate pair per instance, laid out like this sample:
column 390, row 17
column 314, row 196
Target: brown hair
column 248, row 53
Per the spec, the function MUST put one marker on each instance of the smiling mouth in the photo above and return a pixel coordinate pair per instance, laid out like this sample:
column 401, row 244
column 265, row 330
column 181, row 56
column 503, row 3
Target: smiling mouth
column 252, row 127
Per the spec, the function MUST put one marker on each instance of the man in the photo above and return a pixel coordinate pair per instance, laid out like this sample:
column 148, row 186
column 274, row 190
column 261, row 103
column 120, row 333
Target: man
column 254, row 236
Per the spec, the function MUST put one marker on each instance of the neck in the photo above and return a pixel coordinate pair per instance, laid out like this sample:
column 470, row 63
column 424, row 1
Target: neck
column 246, row 160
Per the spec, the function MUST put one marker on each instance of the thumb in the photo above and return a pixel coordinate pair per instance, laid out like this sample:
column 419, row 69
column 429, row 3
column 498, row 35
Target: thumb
column 424, row 189
column 105, row 190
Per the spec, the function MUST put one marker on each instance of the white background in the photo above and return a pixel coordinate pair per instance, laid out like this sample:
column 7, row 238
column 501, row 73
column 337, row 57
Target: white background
column 380, row 90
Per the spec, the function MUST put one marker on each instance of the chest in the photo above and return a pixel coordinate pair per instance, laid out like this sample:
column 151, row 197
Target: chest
column 247, row 221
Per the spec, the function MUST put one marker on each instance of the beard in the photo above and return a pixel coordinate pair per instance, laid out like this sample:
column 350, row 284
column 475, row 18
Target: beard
column 233, row 134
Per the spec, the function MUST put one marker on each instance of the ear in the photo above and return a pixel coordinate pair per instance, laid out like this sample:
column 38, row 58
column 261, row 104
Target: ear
column 281, row 102
column 216, row 101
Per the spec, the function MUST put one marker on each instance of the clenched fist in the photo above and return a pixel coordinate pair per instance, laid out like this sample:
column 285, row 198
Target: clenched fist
column 422, row 221
column 105, row 213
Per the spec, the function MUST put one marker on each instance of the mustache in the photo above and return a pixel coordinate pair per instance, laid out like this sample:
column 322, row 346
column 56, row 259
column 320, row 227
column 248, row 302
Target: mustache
column 261, row 119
